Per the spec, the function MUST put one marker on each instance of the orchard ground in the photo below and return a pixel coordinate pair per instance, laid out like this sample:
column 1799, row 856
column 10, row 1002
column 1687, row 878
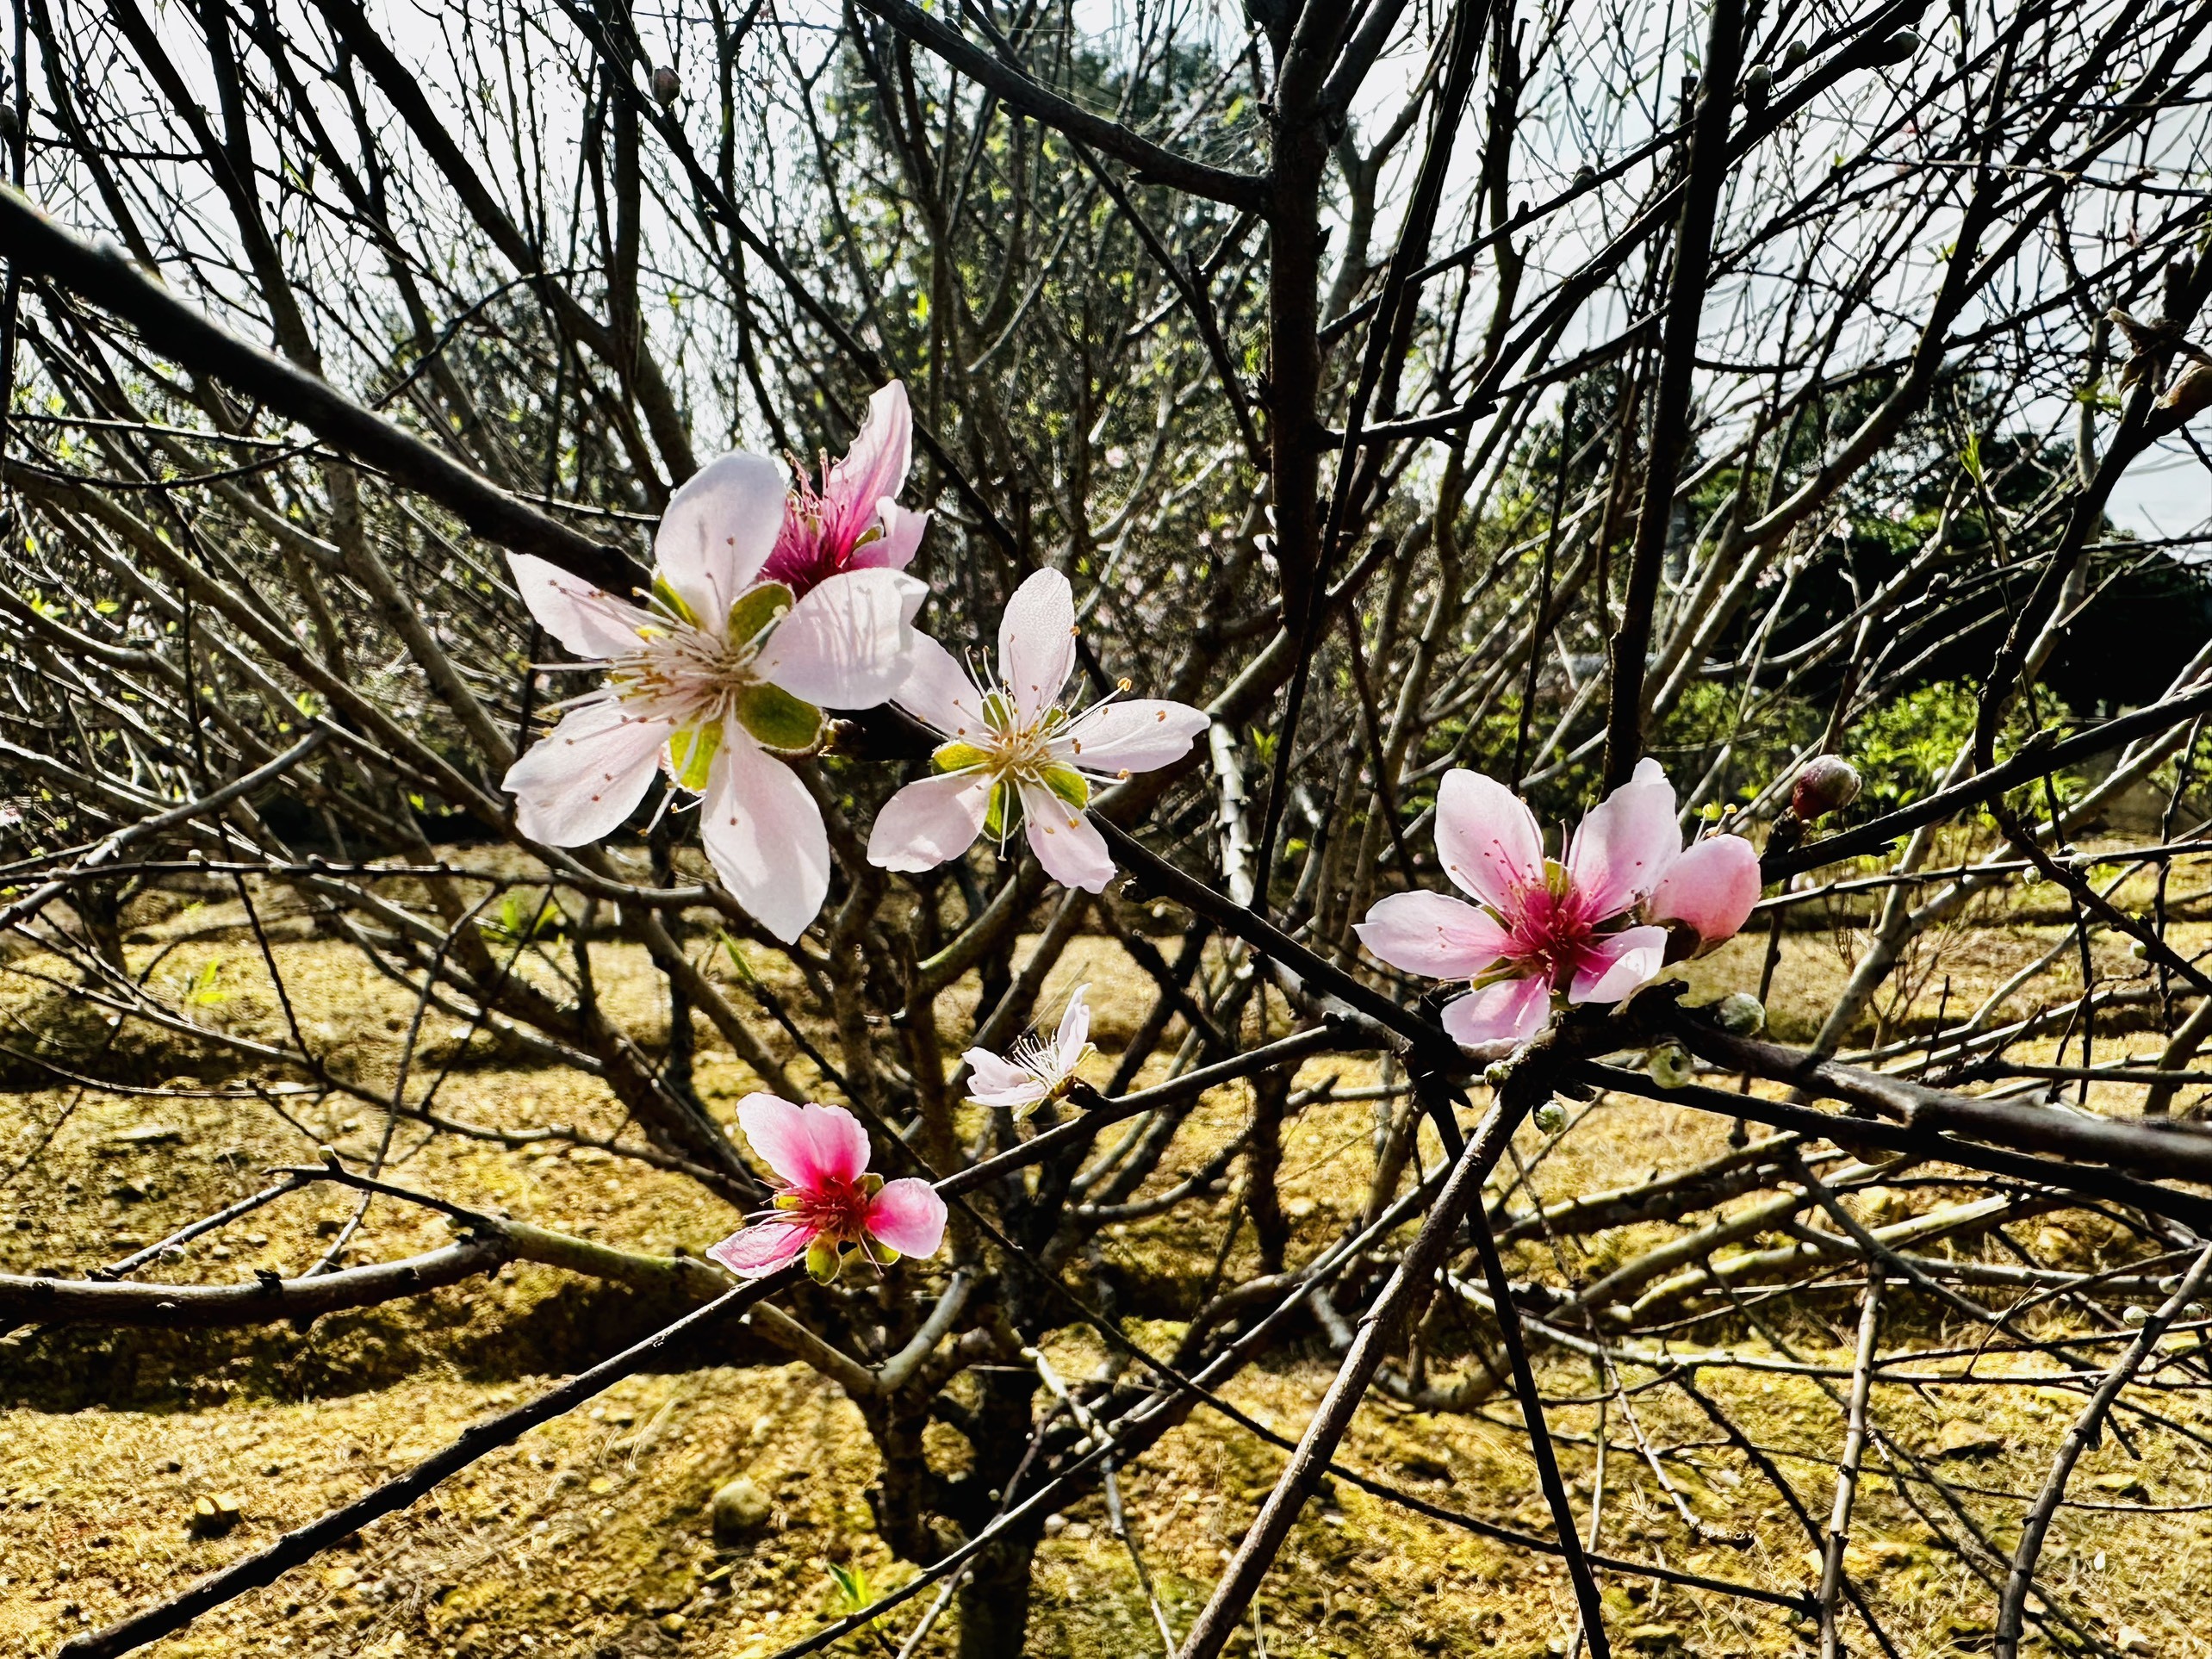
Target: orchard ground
column 591, row 1537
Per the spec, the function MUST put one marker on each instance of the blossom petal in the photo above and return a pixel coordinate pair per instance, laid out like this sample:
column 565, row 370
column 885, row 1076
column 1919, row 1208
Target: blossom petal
column 1433, row 935
column 928, row 823
column 1625, row 844
column 1074, row 1034
column 994, row 1072
column 1037, row 642
column 940, row 692
column 807, row 1146
column 1712, row 887
column 849, row 641
column 589, row 621
column 1617, row 963
column 909, row 1216
column 901, row 539
column 1512, row 1011
column 719, row 530
column 873, row 469
column 582, row 778
column 755, row 1252
column 1065, row 841
column 994, row 1080
column 1138, row 735
column 764, row 834
column 1489, row 840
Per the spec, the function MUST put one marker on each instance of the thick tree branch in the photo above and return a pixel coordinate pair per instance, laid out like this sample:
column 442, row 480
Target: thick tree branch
column 106, row 278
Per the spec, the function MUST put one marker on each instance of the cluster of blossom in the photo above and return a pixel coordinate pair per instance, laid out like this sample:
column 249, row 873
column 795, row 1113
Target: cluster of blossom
column 771, row 604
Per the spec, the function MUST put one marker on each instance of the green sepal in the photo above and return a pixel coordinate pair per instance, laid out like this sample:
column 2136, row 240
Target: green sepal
column 999, row 711
column 957, row 756
column 822, row 1261
column 777, row 720
column 691, row 750
column 756, row 610
column 997, row 815
column 881, row 1253
column 1069, row 784
column 672, row 600
column 872, row 1184
column 789, row 1201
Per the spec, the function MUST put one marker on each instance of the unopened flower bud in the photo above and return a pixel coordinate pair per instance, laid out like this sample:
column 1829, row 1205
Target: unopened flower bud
column 1550, row 1117
column 1740, row 1014
column 1757, row 83
column 1828, row 783
column 2170, row 1283
column 1794, row 58
column 1496, row 1073
column 666, row 86
column 1670, row 1065
column 2132, row 1314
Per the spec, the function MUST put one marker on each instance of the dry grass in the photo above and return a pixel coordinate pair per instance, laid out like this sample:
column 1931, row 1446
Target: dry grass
column 591, row 1536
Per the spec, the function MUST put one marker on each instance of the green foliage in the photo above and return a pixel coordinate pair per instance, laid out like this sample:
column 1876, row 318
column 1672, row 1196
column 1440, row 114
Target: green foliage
column 205, row 989
column 853, row 1593
column 516, row 923
column 1902, row 746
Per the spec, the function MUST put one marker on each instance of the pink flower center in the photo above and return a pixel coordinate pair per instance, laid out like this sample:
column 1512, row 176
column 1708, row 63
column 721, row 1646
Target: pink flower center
column 810, row 547
column 1549, row 934
column 831, row 1208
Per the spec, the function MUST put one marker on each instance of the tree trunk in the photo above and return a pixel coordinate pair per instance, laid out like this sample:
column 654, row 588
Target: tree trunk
column 994, row 1603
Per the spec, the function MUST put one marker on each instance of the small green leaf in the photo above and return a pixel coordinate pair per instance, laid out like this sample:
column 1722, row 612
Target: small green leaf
column 853, row 1592
column 206, row 988
column 779, row 720
column 691, row 751
column 758, row 609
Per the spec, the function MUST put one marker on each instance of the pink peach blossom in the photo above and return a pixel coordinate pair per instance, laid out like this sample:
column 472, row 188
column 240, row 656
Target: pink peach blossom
column 826, row 1201
column 855, row 523
column 1592, row 929
column 1014, row 745
column 718, row 673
